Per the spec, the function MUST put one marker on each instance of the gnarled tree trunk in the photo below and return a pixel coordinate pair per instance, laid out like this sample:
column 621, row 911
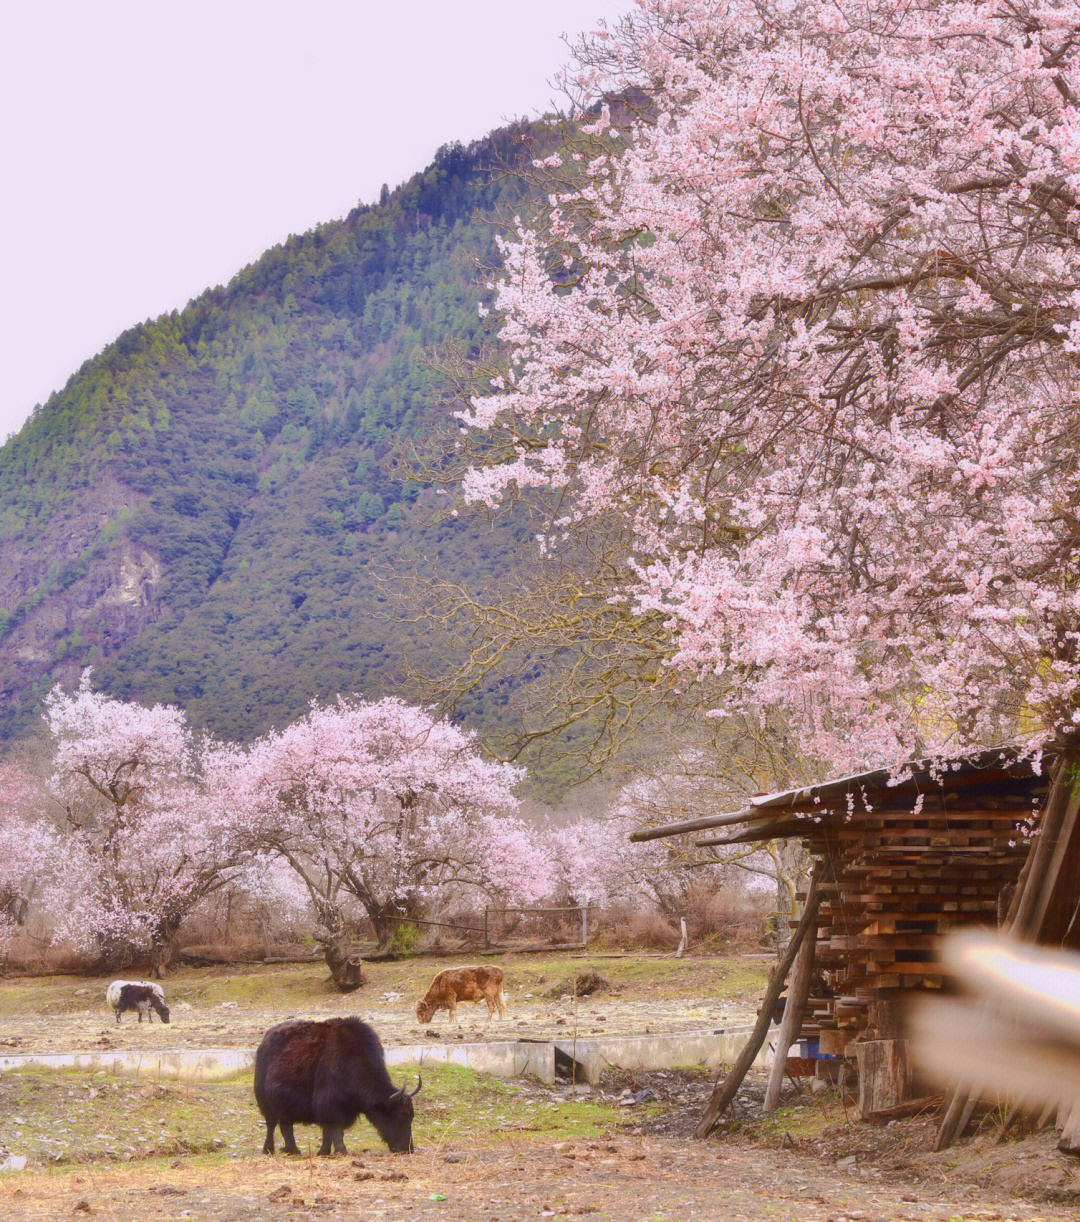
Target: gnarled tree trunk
column 345, row 967
column 334, row 935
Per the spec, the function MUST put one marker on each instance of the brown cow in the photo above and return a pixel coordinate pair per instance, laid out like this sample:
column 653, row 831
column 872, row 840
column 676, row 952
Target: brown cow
column 462, row 984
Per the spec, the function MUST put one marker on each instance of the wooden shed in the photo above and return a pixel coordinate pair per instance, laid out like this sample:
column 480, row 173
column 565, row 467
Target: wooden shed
column 896, row 867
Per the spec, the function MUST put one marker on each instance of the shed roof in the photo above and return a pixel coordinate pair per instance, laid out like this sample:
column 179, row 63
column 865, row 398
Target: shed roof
column 785, row 813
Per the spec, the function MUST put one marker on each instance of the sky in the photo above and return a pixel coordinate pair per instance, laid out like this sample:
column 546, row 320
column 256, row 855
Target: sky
column 150, row 150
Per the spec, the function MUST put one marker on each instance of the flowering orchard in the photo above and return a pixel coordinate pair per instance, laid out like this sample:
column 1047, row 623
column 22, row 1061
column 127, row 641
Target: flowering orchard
column 357, row 809
column 146, row 834
column 356, row 812
column 807, row 319
column 383, row 806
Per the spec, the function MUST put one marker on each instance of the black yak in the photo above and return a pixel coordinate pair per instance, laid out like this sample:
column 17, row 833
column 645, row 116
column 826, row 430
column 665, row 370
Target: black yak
column 327, row 1074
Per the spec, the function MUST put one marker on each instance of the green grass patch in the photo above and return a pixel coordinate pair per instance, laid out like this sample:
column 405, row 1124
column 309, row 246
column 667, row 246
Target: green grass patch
column 466, row 1106
column 60, row 1118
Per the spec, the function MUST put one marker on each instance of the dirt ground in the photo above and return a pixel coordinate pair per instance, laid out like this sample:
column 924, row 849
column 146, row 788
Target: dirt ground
column 489, row 1151
column 626, row 1179
column 232, row 1007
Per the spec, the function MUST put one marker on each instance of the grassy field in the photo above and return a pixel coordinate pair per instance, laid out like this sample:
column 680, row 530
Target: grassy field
column 293, row 986
column 61, row 1118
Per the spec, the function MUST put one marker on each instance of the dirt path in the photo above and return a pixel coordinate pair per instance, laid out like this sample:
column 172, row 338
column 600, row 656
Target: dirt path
column 626, row 1179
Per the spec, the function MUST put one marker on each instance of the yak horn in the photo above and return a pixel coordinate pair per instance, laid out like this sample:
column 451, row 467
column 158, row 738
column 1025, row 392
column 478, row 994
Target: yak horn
column 419, row 1083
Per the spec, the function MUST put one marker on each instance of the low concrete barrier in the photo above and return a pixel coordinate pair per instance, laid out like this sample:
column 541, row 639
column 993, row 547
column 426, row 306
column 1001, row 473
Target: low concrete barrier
column 181, row 1064
column 500, row 1058
column 668, row 1050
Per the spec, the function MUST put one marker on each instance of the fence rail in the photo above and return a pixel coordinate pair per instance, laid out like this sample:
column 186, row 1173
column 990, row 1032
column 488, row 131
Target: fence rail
column 485, row 930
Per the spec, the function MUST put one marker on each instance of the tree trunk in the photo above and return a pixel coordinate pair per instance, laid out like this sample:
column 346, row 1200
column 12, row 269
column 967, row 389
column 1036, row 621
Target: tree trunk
column 335, row 937
column 790, row 864
column 345, row 968
column 163, row 949
column 885, row 1074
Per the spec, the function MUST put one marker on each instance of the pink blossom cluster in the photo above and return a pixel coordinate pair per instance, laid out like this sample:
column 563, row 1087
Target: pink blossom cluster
column 383, row 806
column 145, row 836
column 29, row 846
column 810, row 326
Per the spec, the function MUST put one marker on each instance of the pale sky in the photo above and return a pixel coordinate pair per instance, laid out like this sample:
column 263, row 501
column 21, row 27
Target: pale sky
column 150, row 150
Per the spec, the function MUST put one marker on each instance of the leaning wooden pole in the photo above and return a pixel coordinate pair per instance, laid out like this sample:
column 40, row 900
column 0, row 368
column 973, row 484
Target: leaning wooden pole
column 794, row 1010
column 725, row 1090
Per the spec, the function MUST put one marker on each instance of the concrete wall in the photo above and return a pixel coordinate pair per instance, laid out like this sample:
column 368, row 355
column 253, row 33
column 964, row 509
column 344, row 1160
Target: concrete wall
column 666, row 1051
column 186, row 1064
column 501, row 1059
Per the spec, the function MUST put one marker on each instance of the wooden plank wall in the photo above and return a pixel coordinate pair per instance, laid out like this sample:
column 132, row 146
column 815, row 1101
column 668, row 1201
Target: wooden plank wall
column 901, row 881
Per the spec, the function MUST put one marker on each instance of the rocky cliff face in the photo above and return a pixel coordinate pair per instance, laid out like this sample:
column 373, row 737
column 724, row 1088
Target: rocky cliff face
column 78, row 596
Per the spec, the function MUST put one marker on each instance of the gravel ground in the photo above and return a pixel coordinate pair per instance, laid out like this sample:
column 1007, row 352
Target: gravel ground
column 237, row 1024
column 625, row 1179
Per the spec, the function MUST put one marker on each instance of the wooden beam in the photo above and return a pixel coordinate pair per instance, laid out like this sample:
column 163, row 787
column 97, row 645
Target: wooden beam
column 950, row 1121
column 695, row 825
column 1033, row 875
column 724, row 1091
column 793, row 1016
column 1034, row 891
column 1057, row 874
column 913, row 1107
column 774, row 830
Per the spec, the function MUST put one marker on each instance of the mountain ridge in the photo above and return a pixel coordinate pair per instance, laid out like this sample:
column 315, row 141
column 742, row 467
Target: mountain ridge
column 201, row 512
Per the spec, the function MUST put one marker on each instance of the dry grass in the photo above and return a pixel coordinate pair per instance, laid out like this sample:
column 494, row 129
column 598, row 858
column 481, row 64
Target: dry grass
column 288, row 986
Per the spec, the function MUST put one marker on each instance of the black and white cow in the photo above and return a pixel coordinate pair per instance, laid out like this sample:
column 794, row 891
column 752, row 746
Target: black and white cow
column 140, row 995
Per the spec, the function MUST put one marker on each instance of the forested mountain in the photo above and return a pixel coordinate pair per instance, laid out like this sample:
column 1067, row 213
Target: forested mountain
column 200, row 514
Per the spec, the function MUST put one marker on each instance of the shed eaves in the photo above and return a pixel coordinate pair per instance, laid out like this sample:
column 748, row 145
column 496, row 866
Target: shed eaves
column 763, row 820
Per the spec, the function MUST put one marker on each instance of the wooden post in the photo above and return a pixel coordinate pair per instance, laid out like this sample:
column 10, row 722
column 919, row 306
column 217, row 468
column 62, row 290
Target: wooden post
column 487, row 935
column 682, row 940
column 794, row 1010
column 585, row 927
column 725, row 1090
column 885, row 1074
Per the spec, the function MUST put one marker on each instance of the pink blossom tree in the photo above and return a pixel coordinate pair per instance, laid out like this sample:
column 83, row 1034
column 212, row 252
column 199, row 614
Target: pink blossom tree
column 595, row 863
column 147, row 833
column 807, row 321
column 28, row 847
column 383, row 807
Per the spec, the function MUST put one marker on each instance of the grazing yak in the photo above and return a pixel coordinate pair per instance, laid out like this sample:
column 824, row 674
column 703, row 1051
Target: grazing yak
column 328, row 1073
column 140, row 995
column 463, row 984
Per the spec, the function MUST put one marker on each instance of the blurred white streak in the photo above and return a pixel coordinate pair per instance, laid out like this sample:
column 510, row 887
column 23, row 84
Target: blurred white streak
column 1015, row 1032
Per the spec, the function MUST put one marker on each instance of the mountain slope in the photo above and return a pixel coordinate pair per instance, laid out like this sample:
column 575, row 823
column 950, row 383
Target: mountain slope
column 201, row 512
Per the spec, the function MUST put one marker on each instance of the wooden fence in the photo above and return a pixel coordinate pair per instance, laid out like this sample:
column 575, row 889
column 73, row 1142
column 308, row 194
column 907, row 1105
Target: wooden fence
column 492, row 935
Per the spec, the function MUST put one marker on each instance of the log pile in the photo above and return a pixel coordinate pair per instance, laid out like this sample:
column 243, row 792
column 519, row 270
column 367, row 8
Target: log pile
column 902, row 880
column 903, row 864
